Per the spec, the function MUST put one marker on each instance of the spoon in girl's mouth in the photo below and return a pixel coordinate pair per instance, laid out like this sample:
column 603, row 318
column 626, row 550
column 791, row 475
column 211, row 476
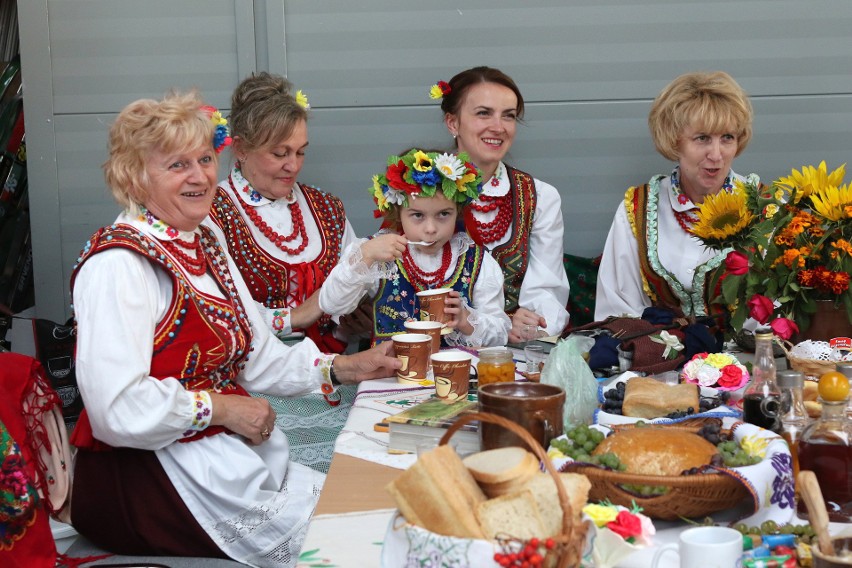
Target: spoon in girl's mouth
column 422, row 243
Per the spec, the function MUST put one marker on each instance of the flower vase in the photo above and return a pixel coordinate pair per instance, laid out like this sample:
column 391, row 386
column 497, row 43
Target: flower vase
column 829, row 321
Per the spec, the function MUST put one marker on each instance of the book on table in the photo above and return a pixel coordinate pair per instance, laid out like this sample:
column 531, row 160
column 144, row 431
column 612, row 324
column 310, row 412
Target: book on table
column 428, row 421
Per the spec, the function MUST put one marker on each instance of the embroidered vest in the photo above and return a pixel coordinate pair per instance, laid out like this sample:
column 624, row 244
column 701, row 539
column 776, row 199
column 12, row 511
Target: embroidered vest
column 513, row 255
column 202, row 341
column 396, row 301
column 267, row 277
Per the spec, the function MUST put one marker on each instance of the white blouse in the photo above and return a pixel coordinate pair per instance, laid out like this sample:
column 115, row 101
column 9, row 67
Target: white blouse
column 545, row 288
column 119, row 297
column 352, row 279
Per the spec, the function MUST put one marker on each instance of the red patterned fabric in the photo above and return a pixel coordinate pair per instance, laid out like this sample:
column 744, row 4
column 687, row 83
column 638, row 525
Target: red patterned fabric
column 202, row 341
column 268, row 278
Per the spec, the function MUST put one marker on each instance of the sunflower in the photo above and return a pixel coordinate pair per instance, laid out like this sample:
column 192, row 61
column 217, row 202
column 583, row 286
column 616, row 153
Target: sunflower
column 722, row 217
column 833, row 202
column 812, row 179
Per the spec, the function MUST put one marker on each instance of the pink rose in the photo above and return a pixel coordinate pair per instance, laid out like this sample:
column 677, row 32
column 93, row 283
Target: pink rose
column 731, row 379
column 760, row 308
column 736, row 263
column 784, row 328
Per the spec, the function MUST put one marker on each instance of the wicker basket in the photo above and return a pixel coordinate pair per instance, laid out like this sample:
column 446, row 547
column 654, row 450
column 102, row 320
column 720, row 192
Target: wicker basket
column 572, row 542
column 808, row 367
column 685, row 496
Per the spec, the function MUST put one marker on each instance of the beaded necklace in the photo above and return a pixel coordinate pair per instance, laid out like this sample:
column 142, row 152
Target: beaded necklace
column 494, row 230
column 421, row 279
column 194, row 264
column 277, row 239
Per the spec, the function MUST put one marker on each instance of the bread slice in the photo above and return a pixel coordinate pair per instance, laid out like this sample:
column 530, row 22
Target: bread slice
column 546, row 498
column 513, row 485
column 500, row 465
column 645, row 397
column 439, row 494
column 513, row 515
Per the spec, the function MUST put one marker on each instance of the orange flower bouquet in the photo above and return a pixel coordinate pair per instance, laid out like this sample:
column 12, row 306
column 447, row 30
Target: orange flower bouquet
column 786, row 246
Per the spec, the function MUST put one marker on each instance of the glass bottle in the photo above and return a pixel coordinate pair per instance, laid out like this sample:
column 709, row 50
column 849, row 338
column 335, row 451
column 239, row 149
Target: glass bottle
column 495, row 366
column 826, row 447
column 794, row 417
column 762, row 398
column 846, row 368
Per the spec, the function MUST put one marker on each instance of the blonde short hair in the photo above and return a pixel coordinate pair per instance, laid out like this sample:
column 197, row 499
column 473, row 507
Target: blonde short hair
column 711, row 101
column 174, row 124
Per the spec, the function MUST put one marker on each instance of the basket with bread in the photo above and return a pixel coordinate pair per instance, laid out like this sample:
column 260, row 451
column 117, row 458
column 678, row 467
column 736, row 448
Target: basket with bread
column 487, row 509
column 688, row 469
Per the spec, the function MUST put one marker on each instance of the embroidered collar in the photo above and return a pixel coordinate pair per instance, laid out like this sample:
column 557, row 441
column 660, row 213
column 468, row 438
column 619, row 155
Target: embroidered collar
column 679, row 200
column 250, row 196
column 150, row 224
column 502, row 187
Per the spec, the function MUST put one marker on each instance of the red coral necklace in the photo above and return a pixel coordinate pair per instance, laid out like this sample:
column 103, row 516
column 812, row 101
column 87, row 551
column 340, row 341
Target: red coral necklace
column 278, row 239
column 686, row 220
column 494, row 230
column 195, row 265
column 421, row 279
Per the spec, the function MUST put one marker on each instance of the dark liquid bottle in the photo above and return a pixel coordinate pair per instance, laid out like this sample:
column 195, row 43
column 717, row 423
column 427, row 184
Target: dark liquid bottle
column 762, row 397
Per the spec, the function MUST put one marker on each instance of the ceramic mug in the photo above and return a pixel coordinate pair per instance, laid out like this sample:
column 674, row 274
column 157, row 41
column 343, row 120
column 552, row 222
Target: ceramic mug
column 413, row 350
column 432, row 306
column 452, row 375
column 536, row 407
column 706, row 547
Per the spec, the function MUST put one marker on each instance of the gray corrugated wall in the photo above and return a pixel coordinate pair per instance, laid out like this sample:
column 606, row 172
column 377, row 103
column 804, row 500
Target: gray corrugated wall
column 588, row 71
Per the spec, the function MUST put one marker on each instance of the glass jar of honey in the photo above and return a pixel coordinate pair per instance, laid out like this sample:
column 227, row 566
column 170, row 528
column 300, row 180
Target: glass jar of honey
column 495, row 366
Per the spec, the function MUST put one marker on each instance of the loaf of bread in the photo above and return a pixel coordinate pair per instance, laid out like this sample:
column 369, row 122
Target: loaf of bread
column 546, row 498
column 439, row 494
column 645, row 397
column 658, row 451
column 515, row 515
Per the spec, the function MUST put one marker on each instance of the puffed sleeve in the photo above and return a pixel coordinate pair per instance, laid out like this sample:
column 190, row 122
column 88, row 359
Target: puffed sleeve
column 490, row 323
column 350, row 280
column 545, row 287
column 619, row 288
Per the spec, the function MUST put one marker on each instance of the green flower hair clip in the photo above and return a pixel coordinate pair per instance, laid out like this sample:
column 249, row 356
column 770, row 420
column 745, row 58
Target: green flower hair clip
column 419, row 173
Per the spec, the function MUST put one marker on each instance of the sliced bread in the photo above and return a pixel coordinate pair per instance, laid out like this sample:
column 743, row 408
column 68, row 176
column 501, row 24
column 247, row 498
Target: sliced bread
column 500, row 465
column 439, row 494
column 546, row 498
column 513, row 515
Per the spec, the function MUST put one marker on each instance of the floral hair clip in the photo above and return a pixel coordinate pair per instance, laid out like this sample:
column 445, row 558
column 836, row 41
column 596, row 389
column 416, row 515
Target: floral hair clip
column 302, row 100
column 418, row 173
column 440, row 90
column 221, row 136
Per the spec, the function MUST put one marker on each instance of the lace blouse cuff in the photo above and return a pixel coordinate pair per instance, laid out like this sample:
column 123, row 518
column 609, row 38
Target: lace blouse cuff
column 457, row 338
column 362, row 273
column 325, row 365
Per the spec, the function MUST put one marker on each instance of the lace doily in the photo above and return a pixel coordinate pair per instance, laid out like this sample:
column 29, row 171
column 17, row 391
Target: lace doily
column 819, row 351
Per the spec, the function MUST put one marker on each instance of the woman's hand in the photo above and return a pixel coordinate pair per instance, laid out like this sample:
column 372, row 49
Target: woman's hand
column 375, row 363
column 458, row 313
column 384, row 248
column 252, row 418
column 521, row 322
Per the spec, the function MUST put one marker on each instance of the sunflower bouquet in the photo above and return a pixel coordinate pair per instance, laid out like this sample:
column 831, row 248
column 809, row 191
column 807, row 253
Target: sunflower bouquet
column 786, row 246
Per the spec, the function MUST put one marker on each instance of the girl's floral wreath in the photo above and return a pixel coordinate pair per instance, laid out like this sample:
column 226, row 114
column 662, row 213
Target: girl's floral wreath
column 422, row 174
column 718, row 370
column 440, row 90
column 221, row 134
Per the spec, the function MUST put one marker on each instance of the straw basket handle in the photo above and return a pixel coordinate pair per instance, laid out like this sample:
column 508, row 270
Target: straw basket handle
column 568, row 530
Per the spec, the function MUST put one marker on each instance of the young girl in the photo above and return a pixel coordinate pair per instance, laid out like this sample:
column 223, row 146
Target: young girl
column 420, row 196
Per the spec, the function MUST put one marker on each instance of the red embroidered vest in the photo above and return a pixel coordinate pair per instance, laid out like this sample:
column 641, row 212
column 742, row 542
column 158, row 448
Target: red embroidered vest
column 268, row 277
column 202, row 341
column 513, row 255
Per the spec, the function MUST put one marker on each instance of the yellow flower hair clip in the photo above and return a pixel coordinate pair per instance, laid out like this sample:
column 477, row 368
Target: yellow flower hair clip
column 440, row 90
column 302, row 100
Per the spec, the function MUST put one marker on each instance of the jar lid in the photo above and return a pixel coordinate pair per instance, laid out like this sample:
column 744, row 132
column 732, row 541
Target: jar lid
column 495, row 354
column 790, row 378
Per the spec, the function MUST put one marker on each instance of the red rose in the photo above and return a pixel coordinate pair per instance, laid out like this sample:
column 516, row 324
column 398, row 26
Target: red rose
column 784, row 328
column 396, row 178
column 760, row 308
column 736, row 263
column 626, row 525
column 732, row 377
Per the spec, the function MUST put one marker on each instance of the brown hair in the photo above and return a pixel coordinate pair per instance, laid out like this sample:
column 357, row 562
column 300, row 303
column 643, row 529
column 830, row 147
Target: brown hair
column 264, row 111
column 711, row 101
column 174, row 124
column 461, row 82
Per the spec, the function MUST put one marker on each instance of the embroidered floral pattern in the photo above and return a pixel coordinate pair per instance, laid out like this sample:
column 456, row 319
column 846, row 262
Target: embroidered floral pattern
column 18, row 497
column 323, row 364
column 201, row 412
column 783, row 486
column 158, row 225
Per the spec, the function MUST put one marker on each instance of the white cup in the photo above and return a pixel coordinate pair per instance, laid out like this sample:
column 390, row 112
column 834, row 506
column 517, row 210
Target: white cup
column 706, row 547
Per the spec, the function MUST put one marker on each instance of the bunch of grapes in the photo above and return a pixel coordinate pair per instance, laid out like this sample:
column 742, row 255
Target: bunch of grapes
column 582, row 441
column 712, row 432
column 803, row 533
column 681, row 413
column 735, row 456
column 614, row 399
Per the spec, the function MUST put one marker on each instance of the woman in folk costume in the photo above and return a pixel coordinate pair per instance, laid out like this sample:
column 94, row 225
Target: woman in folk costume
column 421, row 195
column 701, row 121
column 516, row 217
column 284, row 236
column 174, row 458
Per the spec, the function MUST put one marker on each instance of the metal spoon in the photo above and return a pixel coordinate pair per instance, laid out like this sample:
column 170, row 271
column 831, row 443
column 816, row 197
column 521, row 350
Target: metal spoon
column 422, row 243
